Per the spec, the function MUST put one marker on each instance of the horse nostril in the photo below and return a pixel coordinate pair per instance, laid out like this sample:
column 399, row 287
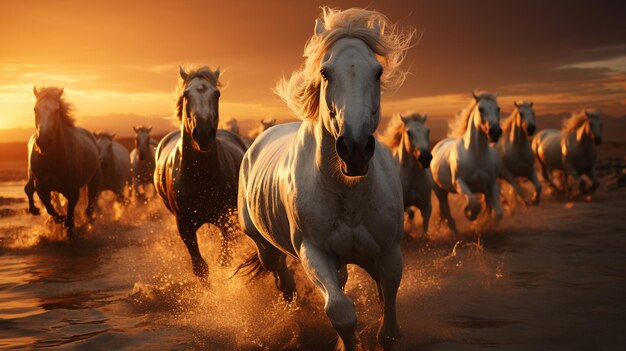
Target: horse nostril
column 370, row 147
column 531, row 129
column 342, row 148
column 598, row 140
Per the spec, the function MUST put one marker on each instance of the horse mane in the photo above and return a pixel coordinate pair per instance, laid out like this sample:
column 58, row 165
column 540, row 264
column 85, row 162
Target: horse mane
column 65, row 110
column 459, row 125
column 390, row 44
column 203, row 72
column 508, row 123
column 392, row 137
column 577, row 119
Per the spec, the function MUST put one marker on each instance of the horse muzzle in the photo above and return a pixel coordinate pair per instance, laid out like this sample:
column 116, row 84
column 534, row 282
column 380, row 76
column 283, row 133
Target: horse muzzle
column 142, row 156
column 494, row 133
column 597, row 140
column 530, row 129
column 424, row 158
column 354, row 155
column 204, row 138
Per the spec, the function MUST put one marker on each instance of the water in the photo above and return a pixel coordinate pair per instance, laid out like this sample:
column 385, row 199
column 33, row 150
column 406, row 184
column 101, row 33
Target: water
column 550, row 278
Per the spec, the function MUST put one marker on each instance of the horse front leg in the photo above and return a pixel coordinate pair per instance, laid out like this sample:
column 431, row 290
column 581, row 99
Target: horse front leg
column 537, row 195
column 187, row 230
column 493, row 200
column 388, row 280
column 44, row 196
column 508, row 176
column 595, row 183
column 72, row 200
column 569, row 170
column 444, row 209
column 426, row 209
column 29, row 189
column 472, row 210
column 93, row 190
column 339, row 308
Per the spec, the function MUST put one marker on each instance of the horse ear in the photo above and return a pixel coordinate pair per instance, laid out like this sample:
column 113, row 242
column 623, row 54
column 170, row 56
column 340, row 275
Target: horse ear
column 135, row 129
column 475, row 94
column 217, row 72
column 516, row 104
column 149, row 129
column 35, row 91
column 531, row 104
column 61, row 92
column 424, row 117
column 404, row 119
column 319, row 27
column 376, row 28
column 182, row 73
column 112, row 136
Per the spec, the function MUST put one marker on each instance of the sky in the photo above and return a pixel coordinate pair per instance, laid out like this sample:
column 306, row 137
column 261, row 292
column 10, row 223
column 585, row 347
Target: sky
column 117, row 60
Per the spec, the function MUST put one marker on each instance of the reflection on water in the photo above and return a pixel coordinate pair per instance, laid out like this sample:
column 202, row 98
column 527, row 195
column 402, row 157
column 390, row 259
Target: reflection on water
column 552, row 277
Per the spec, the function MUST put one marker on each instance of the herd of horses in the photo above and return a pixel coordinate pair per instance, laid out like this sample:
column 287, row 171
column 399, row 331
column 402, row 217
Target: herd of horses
column 323, row 190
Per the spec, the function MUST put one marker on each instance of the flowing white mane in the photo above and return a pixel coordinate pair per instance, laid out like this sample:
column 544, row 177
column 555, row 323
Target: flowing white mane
column 459, row 125
column 385, row 39
column 578, row 119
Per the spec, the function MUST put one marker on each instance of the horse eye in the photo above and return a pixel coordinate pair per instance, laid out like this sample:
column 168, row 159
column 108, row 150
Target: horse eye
column 324, row 74
column 379, row 74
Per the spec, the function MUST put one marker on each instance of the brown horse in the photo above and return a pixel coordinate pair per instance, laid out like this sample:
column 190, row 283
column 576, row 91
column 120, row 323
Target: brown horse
column 197, row 167
column 61, row 158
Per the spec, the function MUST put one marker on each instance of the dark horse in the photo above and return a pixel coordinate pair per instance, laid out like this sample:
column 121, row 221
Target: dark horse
column 197, row 167
column 61, row 158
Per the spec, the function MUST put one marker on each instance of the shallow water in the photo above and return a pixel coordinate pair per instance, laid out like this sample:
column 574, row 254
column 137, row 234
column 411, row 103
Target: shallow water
column 552, row 277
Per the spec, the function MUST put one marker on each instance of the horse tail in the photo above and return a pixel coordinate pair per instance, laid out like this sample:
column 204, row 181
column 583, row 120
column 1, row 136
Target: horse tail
column 252, row 267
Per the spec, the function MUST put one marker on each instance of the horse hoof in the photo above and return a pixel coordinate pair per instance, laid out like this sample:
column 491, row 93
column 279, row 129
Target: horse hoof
column 388, row 338
column 34, row 211
column 201, row 270
column 59, row 219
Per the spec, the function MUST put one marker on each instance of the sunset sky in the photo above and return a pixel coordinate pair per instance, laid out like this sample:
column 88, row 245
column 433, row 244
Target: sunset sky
column 118, row 59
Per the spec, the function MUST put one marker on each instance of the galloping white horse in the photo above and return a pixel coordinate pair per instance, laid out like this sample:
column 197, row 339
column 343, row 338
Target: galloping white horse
column 324, row 190
column 142, row 160
column 61, row 158
column 571, row 150
column 115, row 165
column 465, row 164
column 197, row 167
column 516, row 155
column 409, row 140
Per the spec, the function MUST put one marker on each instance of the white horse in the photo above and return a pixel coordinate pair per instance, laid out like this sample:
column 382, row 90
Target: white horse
column 409, row 140
column 324, row 190
column 61, row 158
column 516, row 155
column 142, row 160
column 465, row 164
column 115, row 165
column 571, row 150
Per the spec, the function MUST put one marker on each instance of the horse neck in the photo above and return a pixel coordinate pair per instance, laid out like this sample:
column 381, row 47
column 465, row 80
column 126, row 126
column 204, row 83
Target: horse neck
column 583, row 136
column 407, row 161
column 62, row 149
column 517, row 134
column 474, row 139
column 198, row 164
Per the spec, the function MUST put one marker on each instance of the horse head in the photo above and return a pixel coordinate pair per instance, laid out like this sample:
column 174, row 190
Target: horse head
column 350, row 100
column 105, row 148
column 489, row 112
column 142, row 142
column 594, row 125
column 527, row 117
column 200, row 103
column 417, row 138
column 49, row 109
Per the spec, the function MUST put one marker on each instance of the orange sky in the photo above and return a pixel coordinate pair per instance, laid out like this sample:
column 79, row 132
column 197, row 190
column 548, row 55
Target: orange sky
column 120, row 57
